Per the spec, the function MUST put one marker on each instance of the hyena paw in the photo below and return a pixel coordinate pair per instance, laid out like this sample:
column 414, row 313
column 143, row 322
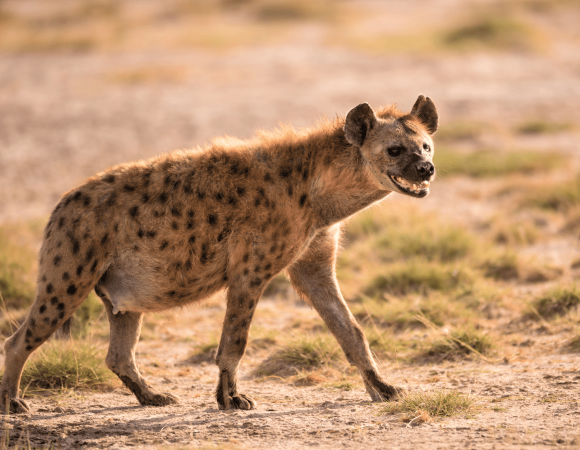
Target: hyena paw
column 17, row 406
column 241, row 401
column 387, row 393
column 160, row 399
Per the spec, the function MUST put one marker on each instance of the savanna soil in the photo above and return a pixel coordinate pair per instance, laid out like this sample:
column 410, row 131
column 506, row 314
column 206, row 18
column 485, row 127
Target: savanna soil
column 66, row 116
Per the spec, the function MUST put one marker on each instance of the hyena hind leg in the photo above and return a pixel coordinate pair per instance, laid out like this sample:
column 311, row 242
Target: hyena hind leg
column 125, row 331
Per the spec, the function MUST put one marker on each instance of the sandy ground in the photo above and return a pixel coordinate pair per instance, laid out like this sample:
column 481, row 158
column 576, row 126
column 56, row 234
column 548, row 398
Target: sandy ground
column 531, row 401
column 65, row 117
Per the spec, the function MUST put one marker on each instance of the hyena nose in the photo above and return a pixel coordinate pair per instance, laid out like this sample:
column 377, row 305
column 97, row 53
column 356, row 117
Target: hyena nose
column 425, row 168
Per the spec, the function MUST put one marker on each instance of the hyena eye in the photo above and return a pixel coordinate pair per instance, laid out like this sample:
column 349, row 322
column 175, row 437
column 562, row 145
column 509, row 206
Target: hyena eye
column 426, row 147
column 395, row 151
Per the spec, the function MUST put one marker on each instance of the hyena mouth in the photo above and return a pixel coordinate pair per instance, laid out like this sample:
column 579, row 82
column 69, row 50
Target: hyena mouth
column 419, row 189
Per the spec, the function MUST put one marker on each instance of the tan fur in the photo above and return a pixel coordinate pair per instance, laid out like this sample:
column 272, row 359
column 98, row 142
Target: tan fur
column 166, row 232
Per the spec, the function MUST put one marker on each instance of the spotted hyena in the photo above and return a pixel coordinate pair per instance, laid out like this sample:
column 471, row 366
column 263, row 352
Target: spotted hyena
column 156, row 234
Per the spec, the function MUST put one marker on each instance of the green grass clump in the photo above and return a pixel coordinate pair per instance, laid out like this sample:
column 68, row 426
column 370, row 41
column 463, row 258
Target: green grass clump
column 561, row 196
column 556, row 303
column 543, row 127
column 493, row 33
column 308, row 352
column 490, row 163
column 17, row 283
column 417, row 277
column 459, row 344
column 205, row 352
column 574, row 344
column 61, row 365
column 431, row 404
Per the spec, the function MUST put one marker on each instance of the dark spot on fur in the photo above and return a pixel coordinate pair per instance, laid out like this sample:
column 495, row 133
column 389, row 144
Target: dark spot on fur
column 54, row 322
column 219, row 196
column 191, row 239
column 49, row 288
column 28, row 332
column 175, row 225
column 105, row 239
column 257, row 201
column 204, row 256
column 60, row 222
column 246, row 271
column 140, row 233
column 303, row 198
column 200, row 195
column 60, row 306
column 29, row 347
column 241, row 191
column 171, row 293
column 167, row 180
column 190, row 213
column 285, row 172
column 90, row 254
column 290, row 191
column 76, row 246
column 257, row 269
column 163, row 245
column 109, row 179
column 176, row 211
column 211, row 219
column 251, row 304
column 116, row 228
column 255, row 282
column 145, row 198
column 94, row 266
column 246, row 257
column 37, row 340
column 163, row 197
column 232, row 201
column 71, row 290
column 151, row 234
column 54, row 301
column 267, row 275
column 267, row 266
column 42, row 309
column 129, row 188
column 136, row 248
column 305, row 174
column 134, row 211
column 273, row 248
column 65, row 276
column 80, row 270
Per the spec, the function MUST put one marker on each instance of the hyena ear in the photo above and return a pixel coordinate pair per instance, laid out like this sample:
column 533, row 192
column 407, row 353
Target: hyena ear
column 424, row 109
column 360, row 120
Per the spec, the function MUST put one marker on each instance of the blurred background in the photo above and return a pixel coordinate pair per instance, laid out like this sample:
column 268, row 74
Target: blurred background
column 86, row 84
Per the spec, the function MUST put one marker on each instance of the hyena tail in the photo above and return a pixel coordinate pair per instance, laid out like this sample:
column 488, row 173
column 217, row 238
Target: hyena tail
column 68, row 271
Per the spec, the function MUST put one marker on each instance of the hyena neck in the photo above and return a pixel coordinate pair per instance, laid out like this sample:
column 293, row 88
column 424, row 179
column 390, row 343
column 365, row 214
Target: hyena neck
column 341, row 184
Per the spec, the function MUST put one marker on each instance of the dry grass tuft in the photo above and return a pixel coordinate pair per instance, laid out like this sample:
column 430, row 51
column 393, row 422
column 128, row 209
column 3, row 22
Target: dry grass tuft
column 573, row 345
column 556, row 303
column 424, row 406
column 59, row 365
column 459, row 344
column 305, row 353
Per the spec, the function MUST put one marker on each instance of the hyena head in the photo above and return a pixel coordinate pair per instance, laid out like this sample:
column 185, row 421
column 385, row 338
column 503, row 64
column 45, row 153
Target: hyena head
column 397, row 148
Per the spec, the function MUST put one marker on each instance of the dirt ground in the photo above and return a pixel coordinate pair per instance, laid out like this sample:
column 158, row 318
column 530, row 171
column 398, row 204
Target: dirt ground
column 65, row 116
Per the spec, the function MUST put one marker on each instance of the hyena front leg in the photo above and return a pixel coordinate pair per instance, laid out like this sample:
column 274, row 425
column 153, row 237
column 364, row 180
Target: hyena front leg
column 125, row 330
column 239, row 312
column 314, row 278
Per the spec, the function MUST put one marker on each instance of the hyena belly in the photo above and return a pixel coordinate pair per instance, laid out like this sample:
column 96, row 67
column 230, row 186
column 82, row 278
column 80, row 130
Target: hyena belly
column 146, row 284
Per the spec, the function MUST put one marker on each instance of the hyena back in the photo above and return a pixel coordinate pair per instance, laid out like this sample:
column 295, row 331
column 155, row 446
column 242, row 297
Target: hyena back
column 162, row 233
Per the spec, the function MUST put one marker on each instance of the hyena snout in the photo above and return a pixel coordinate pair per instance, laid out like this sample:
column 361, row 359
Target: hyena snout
column 425, row 169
